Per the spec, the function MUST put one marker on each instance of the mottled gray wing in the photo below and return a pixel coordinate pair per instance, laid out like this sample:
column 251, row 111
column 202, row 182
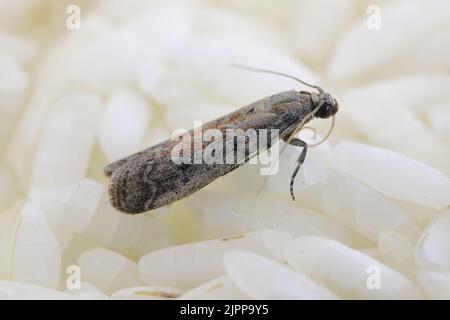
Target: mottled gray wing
column 109, row 169
column 148, row 182
column 138, row 187
column 253, row 115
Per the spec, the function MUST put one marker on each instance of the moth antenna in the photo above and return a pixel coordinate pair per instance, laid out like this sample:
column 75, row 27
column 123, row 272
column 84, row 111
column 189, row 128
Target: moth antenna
column 241, row 66
column 294, row 174
column 303, row 122
column 333, row 121
column 309, row 116
column 296, row 130
column 299, row 126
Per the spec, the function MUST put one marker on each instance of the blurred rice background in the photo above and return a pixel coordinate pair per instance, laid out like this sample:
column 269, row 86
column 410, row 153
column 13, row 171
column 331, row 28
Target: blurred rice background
column 74, row 99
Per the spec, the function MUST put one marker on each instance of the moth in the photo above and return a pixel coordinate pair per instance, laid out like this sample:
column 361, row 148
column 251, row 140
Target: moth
column 150, row 179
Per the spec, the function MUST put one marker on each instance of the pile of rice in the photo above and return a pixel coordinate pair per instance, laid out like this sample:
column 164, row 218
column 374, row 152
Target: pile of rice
column 372, row 217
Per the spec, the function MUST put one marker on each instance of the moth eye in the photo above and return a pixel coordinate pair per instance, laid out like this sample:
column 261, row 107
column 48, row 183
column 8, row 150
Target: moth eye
column 326, row 110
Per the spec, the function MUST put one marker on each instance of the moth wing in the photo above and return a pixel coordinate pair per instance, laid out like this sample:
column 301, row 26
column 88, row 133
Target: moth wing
column 145, row 184
column 151, row 152
column 252, row 120
column 144, row 181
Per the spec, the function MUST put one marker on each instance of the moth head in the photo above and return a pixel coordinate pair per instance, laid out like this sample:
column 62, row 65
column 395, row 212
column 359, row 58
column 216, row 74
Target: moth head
column 328, row 105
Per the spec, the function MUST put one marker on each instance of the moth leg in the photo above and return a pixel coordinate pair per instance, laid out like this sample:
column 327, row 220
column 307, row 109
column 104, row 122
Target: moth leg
column 297, row 143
